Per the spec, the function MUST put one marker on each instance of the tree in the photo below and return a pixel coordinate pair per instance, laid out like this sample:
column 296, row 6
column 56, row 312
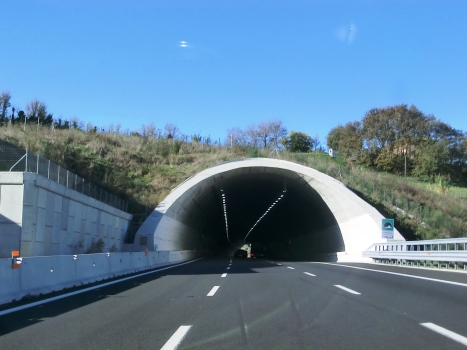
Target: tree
column 263, row 131
column 235, row 137
column 346, row 139
column 171, row 131
column 36, row 110
column 316, row 143
column 298, row 142
column 334, row 137
column 277, row 131
column 430, row 159
column 5, row 98
column 252, row 137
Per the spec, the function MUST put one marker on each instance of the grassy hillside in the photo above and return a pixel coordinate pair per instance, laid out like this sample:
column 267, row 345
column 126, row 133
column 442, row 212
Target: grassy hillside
column 144, row 170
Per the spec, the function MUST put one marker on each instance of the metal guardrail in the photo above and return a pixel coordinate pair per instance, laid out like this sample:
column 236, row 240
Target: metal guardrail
column 450, row 251
column 13, row 158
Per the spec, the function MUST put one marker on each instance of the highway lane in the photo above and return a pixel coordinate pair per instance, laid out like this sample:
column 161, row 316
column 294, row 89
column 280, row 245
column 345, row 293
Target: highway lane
column 257, row 305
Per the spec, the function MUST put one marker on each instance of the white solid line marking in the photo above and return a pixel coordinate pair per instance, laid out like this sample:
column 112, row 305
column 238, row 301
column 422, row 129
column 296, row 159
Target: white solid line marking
column 176, row 338
column 446, row 332
column 213, row 291
column 58, row 297
column 224, row 275
column 397, row 274
column 309, row 274
column 290, row 268
column 228, row 268
column 346, row 289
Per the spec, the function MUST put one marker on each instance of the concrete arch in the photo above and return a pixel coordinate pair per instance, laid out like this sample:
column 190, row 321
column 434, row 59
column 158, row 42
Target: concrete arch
column 318, row 217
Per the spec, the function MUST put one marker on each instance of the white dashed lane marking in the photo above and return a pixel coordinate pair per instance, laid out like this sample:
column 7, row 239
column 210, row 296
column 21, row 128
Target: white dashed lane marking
column 309, row 274
column 446, row 332
column 224, row 275
column 176, row 338
column 346, row 289
column 213, row 291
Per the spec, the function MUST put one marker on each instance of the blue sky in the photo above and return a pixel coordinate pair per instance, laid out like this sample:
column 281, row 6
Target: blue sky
column 313, row 64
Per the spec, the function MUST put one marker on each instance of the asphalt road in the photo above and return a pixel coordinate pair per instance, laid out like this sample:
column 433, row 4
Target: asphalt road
column 258, row 305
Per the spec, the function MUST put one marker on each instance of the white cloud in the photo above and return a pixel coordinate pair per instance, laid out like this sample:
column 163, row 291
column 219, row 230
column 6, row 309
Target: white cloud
column 347, row 34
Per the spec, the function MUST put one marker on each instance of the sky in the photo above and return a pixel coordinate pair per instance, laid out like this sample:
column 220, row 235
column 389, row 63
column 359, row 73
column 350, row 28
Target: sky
column 209, row 65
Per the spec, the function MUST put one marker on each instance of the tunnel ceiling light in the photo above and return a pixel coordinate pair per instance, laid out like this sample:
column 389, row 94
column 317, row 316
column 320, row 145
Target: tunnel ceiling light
column 262, row 216
column 225, row 217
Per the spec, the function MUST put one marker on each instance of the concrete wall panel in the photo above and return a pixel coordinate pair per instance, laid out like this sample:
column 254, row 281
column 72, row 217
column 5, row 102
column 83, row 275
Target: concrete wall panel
column 42, row 198
column 11, row 203
column 36, row 204
column 10, row 238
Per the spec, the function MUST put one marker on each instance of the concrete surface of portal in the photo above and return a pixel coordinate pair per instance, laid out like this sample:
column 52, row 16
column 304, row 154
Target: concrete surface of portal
column 297, row 213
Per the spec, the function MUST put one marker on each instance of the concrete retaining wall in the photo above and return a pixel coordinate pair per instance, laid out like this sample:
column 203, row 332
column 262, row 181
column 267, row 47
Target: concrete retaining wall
column 40, row 217
column 45, row 274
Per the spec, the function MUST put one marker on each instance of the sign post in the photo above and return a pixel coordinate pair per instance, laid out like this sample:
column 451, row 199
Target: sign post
column 387, row 227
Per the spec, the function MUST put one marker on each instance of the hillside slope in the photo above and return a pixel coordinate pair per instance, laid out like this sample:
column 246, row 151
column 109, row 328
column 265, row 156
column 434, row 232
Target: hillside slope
column 144, row 170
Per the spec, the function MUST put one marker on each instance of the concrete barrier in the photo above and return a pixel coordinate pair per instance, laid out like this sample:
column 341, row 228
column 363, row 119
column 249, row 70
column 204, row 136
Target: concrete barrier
column 119, row 264
column 92, row 267
column 45, row 274
column 10, row 282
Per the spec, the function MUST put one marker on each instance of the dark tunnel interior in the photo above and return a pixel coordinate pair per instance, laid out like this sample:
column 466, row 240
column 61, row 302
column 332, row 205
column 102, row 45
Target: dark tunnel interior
column 298, row 226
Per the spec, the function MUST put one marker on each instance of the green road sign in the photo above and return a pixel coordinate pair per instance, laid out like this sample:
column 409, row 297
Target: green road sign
column 387, row 227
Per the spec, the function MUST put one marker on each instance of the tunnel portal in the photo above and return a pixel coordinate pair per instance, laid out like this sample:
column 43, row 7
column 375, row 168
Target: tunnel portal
column 291, row 211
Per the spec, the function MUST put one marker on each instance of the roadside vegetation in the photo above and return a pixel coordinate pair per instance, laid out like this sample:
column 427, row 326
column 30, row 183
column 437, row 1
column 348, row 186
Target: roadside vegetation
column 143, row 166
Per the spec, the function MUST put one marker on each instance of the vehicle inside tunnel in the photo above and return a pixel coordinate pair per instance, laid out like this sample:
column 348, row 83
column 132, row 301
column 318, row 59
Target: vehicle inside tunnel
column 274, row 208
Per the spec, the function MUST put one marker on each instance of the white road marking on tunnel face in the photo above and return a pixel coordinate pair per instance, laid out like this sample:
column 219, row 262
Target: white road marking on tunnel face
column 290, row 268
column 395, row 273
column 309, row 274
column 213, row 291
column 176, row 338
column 58, row 297
column 224, row 275
column 446, row 332
column 346, row 289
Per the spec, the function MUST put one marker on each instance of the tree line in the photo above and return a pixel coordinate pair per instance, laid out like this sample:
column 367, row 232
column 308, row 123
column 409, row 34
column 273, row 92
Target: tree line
column 34, row 113
column 271, row 134
column 405, row 141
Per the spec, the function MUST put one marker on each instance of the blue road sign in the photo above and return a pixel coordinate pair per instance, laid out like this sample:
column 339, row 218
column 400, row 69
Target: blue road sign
column 387, row 227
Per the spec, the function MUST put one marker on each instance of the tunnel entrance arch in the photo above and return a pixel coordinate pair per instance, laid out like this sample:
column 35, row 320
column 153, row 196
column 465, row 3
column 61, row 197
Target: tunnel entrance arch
column 293, row 211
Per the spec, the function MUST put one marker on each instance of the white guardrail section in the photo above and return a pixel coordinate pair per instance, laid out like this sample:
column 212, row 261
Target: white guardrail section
column 449, row 251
